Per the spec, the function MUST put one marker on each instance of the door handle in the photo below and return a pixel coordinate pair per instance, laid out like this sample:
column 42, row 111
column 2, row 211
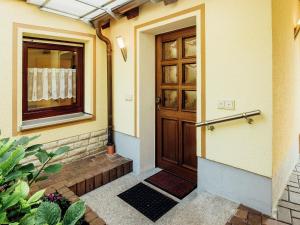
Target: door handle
column 158, row 101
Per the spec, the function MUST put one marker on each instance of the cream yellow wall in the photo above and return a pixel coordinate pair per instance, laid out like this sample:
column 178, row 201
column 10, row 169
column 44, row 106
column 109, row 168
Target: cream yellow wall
column 124, row 72
column 238, row 67
column 238, row 63
column 286, row 92
column 14, row 11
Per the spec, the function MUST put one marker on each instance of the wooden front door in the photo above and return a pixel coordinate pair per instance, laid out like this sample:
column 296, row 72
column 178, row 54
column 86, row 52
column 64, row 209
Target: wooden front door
column 176, row 102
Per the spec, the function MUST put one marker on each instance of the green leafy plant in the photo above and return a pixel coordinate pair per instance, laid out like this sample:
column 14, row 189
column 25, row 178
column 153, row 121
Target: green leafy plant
column 50, row 213
column 58, row 199
column 12, row 152
column 63, row 204
column 16, row 207
column 45, row 157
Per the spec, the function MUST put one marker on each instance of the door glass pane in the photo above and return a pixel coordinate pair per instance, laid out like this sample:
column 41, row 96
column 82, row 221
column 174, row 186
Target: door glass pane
column 170, row 74
column 51, row 78
column 190, row 73
column 189, row 100
column 170, row 98
column 190, row 47
column 170, row 50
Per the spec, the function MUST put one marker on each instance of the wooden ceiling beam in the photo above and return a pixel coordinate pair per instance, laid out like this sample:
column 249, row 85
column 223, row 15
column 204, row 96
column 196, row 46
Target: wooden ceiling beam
column 132, row 13
column 130, row 5
column 119, row 11
column 167, row 2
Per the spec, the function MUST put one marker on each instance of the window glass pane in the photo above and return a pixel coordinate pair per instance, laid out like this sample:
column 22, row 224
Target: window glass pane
column 189, row 100
column 170, row 74
column 190, row 73
column 170, row 50
column 51, row 78
column 170, row 98
column 190, row 47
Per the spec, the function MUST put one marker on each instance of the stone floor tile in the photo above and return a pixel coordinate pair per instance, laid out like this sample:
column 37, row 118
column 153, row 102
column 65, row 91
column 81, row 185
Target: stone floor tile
column 285, row 195
column 289, row 205
column 294, row 178
column 294, row 197
column 295, row 173
column 296, row 221
column 294, row 189
column 292, row 184
column 296, row 214
column 272, row 222
column 284, row 215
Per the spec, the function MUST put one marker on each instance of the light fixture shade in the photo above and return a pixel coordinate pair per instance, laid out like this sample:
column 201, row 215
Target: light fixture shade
column 120, row 42
column 297, row 29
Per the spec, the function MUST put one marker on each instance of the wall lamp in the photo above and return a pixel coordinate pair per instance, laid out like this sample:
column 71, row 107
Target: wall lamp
column 297, row 29
column 121, row 44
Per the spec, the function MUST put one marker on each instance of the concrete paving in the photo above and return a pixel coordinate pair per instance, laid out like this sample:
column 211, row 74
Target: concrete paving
column 195, row 209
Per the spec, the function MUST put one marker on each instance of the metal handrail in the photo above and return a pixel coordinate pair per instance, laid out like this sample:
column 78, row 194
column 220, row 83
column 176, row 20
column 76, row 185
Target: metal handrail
column 244, row 115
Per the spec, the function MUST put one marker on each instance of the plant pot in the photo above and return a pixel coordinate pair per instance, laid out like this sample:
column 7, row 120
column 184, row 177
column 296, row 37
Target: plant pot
column 111, row 150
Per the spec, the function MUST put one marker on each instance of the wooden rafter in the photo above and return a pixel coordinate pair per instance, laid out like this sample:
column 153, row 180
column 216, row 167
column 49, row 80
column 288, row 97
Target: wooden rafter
column 102, row 19
column 167, row 2
column 132, row 13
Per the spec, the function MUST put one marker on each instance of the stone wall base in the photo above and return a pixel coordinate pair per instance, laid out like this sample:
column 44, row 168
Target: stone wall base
column 81, row 146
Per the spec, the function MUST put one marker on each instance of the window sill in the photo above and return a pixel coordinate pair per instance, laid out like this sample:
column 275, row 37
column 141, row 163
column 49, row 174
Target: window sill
column 56, row 120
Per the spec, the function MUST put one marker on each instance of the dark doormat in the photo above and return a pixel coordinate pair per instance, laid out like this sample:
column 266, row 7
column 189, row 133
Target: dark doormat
column 172, row 184
column 149, row 202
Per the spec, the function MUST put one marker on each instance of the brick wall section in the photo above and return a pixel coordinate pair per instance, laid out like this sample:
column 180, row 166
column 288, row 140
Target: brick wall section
column 247, row 216
column 82, row 146
column 83, row 176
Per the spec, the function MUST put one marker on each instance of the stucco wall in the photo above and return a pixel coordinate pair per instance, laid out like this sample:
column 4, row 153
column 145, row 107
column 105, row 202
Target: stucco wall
column 286, row 92
column 14, row 11
column 238, row 67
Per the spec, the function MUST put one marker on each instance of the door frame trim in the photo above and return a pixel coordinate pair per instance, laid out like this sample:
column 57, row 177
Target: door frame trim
column 200, row 10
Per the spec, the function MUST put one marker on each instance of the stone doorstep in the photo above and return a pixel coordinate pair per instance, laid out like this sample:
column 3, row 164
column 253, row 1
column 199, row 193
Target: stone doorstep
column 91, row 177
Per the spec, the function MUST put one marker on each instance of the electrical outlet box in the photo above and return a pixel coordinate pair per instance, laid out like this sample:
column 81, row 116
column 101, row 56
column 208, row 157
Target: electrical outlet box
column 221, row 104
column 129, row 98
column 229, row 104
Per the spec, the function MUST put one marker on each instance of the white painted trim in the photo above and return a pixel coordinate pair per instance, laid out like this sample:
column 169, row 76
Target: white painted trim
column 54, row 120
